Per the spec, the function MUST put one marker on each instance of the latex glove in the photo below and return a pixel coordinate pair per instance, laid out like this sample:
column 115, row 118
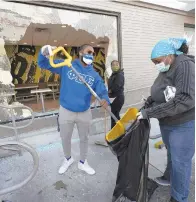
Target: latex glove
column 47, row 50
column 148, row 103
column 139, row 116
column 143, row 101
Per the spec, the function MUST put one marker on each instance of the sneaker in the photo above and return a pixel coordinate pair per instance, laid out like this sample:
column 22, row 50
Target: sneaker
column 66, row 164
column 86, row 168
column 162, row 181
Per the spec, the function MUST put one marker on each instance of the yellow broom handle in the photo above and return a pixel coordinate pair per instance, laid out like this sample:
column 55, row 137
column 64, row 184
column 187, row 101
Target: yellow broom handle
column 67, row 62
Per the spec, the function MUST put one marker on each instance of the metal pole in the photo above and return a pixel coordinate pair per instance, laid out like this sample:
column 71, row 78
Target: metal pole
column 42, row 100
column 19, row 144
column 14, row 107
column 35, row 169
column 15, row 130
column 93, row 93
column 14, row 124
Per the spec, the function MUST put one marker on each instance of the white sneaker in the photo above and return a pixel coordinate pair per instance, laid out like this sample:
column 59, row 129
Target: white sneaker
column 66, row 164
column 86, row 168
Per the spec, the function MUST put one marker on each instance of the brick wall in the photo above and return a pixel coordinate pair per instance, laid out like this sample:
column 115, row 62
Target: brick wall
column 141, row 29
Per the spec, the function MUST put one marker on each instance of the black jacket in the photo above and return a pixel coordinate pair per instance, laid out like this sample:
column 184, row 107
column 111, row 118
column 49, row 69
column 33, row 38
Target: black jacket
column 116, row 84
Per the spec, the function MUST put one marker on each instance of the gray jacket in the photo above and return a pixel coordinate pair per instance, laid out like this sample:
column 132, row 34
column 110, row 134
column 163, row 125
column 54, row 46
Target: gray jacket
column 181, row 108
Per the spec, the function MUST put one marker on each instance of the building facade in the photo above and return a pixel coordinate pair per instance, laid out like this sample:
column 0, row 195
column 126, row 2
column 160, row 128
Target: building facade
column 132, row 29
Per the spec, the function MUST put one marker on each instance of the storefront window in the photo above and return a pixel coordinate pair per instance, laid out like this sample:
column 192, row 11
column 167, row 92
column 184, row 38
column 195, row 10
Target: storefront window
column 25, row 28
column 24, row 25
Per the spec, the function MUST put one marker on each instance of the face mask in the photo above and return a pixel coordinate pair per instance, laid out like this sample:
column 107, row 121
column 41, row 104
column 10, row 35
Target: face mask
column 87, row 59
column 115, row 68
column 162, row 67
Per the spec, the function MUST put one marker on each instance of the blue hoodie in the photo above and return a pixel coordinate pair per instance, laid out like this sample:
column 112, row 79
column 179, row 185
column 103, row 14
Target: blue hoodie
column 74, row 95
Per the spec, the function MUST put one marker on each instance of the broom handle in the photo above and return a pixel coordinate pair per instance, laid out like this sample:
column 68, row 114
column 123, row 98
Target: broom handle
column 105, row 122
column 93, row 92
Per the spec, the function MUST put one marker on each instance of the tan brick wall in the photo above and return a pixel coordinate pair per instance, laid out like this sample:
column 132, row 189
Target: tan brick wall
column 141, row 29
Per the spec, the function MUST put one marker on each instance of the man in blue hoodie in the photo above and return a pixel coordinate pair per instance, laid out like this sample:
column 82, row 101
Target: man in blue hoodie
column 75, row 100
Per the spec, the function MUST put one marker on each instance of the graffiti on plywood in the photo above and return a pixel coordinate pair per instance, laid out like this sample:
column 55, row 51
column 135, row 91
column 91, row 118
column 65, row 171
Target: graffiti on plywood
column 25, row 70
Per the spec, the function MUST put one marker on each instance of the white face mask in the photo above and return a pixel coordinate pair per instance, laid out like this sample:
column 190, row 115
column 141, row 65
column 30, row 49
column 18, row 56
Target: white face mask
column 87, row 59
column 162, row 67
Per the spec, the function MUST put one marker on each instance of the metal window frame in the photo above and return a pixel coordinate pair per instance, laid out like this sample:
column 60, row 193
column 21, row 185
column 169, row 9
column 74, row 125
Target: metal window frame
column 65, row 6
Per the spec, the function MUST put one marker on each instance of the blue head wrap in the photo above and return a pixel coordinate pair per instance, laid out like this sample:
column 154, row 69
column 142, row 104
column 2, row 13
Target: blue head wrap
column 168, row 47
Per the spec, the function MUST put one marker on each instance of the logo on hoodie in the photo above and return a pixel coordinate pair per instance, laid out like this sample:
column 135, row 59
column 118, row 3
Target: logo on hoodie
column 89, row 79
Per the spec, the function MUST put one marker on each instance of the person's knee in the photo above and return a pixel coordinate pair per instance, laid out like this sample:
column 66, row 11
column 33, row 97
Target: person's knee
column 84, row 138
column 180, row 153
column 181, row 150
column 180, row 158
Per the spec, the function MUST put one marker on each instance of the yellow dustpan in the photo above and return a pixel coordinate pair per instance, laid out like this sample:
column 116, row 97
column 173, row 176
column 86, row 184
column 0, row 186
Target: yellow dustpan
column 120, row 127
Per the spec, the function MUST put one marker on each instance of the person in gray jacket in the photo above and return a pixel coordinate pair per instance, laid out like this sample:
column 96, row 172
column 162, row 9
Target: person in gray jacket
column 173, row 104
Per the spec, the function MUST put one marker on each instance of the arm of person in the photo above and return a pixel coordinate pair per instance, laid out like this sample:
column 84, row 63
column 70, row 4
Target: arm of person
column 101, row 90
column 184, row 99
column 44, row 63
column 117, row 84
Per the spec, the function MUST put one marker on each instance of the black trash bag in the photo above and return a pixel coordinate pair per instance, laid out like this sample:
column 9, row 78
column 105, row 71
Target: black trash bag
column 133, row 155
column 151, row 187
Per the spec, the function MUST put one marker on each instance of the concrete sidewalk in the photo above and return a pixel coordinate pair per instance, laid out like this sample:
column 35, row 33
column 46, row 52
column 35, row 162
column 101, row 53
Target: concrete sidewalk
column 74, row 186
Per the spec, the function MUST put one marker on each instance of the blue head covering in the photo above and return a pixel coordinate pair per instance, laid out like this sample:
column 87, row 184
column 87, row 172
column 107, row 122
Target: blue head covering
column 168, row 46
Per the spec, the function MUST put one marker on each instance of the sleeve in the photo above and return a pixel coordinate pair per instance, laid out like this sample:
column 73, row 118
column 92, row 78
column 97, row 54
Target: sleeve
column 44, row 63
column 117, row 84
column 101, row 90
column 184, row 99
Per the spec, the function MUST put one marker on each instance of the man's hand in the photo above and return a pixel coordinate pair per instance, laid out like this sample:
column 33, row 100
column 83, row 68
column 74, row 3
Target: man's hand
column 47, row 50
column 104, row 104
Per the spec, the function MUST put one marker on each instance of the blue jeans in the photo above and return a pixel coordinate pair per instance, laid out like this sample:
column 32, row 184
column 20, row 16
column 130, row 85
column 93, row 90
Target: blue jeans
column 180, row 142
